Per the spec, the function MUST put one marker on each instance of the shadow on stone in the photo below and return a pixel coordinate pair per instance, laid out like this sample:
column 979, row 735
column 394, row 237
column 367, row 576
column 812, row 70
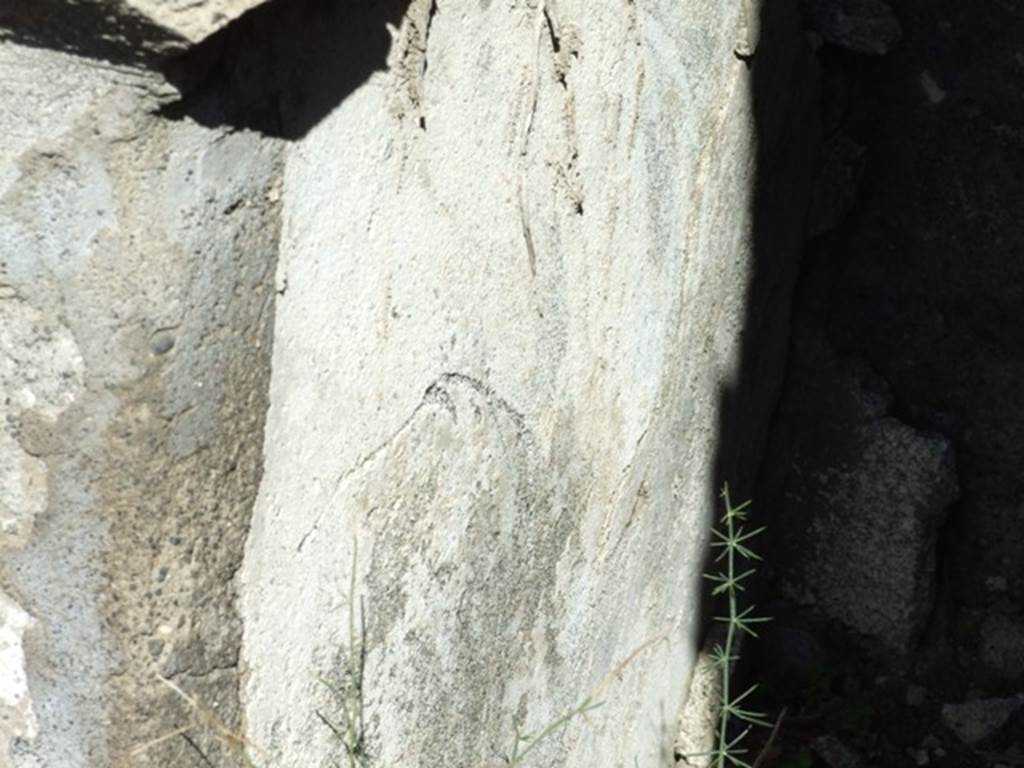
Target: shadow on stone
column 277, row 69
column 783, row 94
column 783, row 83
column 284, row 66
column 86, row 29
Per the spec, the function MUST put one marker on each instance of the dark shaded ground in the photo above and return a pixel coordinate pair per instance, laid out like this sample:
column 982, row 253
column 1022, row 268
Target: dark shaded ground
column 907, row 348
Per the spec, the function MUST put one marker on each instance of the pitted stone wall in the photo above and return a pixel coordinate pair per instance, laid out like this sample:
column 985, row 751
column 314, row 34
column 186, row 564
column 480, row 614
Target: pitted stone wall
column 136, row 268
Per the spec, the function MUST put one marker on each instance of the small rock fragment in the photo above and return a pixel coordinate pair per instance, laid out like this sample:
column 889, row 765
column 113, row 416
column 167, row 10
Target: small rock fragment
column 834, row 753
column 162, row 344
column 793, row 658
column 697, row 721
column 919, row 756
column 975, row 721
column 996, row 583
column 1002, row 645
column 934, row 92
column 866, row 494
column 916, row 695
column 862, row 26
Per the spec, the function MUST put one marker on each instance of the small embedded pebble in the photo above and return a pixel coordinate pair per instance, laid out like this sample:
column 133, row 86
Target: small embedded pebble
column 162, row 344
column 934, row 92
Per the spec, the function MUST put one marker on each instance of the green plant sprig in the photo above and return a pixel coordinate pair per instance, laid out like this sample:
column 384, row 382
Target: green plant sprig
column 732, row 539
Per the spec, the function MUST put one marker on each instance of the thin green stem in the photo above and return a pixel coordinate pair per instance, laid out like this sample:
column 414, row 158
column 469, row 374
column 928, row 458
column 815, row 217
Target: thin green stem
column 348, row 725
column 731, row 539
column 723, row 721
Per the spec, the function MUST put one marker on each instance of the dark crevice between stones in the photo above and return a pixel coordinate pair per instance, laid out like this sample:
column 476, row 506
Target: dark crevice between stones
column 283, row 66
column 784, row 94
column 787, row 135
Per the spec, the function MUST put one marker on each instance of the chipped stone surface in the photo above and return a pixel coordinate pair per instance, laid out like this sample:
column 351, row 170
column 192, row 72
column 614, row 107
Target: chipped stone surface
column 40, row 376
column 17, row 718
